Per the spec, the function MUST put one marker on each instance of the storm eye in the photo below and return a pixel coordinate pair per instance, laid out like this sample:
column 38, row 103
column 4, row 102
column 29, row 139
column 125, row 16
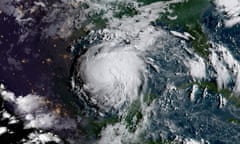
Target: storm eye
column 111, row 78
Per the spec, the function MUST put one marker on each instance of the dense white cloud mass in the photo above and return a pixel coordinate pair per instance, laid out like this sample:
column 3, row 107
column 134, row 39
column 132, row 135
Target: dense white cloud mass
column 232, row 9
column 42, row 138
column 113, row 76
column 28, row 103
column 114, row 134
column 35, row 113
column 114, row 71
column 3, row 130
column 227, row 68
column 197, row 67
column 36, row 116
column 223, row 76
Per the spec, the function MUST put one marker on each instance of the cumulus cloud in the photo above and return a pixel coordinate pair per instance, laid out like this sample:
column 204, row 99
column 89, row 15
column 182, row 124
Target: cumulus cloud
column 232, row 10
column 28, row 103
column 223, row 75
column 41, row 121
column 197, row 67
column 42, row 138
column 113, row 134
column 33, row 110
column 226, row 66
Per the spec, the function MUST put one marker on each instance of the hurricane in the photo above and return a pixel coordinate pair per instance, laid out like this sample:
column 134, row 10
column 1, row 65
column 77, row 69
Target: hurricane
column 119, row 71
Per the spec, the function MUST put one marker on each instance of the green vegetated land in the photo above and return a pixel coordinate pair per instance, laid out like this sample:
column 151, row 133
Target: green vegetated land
column 211, row 86
column 94, row 127
column 226, row 93
column 122, row 9
column 119, row 9
column 134, row 115
column 234, row 121
column 148, row 98
column 97, row 19
column 186, row 15
column 159, row 142
column 132, row 118
column 146, row 2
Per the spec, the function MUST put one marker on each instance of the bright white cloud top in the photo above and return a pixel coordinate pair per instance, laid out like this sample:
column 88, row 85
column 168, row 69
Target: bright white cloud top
column 232, row 9
column 112, row 76
column 33, row 110
column 113, row 73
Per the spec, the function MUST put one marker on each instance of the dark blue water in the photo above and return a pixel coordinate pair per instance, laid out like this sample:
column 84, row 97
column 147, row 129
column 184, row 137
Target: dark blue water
column 175, row 115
